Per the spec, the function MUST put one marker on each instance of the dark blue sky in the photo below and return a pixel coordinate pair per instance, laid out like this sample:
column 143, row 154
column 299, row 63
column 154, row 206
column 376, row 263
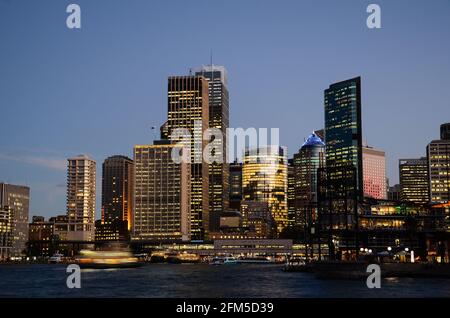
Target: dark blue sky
column 98, row 90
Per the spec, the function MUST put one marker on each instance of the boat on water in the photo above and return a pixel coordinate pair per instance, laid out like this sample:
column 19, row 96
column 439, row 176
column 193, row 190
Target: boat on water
column 107, row 259
column 224, row 260
column 256, row 260
column 56, row 259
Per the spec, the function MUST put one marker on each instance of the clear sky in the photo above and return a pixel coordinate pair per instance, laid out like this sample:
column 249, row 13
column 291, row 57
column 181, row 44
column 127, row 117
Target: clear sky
column 98, row 90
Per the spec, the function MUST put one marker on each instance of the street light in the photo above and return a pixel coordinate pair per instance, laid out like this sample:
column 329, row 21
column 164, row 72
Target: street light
column 389, row 248
column 361, row 249
column 406, row 249
column 370, row 251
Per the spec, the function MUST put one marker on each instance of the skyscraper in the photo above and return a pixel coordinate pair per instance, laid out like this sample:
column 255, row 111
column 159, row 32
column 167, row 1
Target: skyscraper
column 188, row 111
column 117, row 190
column 264, row 179
column 374, row 173
column 235, row 185
column 438, row 157
column 81, row 174
column 307, row 161
column 343, row 132
column 218, row 118
column 291, row 192
column 5, row 233
column 414, row 185
column 161, row 194
column 341, row 182
column 14, row 204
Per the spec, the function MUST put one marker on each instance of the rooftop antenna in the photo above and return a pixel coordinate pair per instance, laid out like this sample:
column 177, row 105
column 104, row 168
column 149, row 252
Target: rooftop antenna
column 153, row 129
column 211, row 59
column 211, row 64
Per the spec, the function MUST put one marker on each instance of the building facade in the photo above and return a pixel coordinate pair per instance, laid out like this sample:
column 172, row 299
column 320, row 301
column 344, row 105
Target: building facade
column 219, row 187
column 15, row 202
column 341, row 181
column 307, row 161
column 188, row 118
column 117, row 191
column 374, row 173
column 414, row 184
column 394, row 193
column 343, row 132
column 235, row 185
column 81, row 192
column 291, row 192
column 162, row 200
column 264, row 179
column 445, row 131
column 258, row 219
column 5, row 233
column 438, row 157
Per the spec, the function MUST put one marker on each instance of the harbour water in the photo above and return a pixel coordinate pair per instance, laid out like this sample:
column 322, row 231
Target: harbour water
column 202, row 280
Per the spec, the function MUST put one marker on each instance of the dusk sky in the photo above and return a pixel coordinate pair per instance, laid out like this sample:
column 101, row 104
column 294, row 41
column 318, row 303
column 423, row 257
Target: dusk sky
column 98, row 90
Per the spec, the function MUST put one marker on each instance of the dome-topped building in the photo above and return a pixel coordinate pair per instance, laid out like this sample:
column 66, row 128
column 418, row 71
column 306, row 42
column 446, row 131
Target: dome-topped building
column 309, row 158
column 313, row 140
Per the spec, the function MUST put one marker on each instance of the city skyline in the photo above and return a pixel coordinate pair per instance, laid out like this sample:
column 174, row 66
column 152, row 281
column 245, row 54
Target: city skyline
column 38, row 147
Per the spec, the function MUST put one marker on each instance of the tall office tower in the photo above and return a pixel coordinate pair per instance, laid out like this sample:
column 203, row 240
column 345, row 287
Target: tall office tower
column 162, row 189
column 235, row 185
column 414, row 185
column 81, row 171
column 307, row 161
column 117, row 190
column 15, row 202
column 341, row 183
column 445, row 131
column 188, row 111
column 291, row 192
column 438, row 156
column 374, row 173
column 264, row 179
column 5, row 232
column 218, row 118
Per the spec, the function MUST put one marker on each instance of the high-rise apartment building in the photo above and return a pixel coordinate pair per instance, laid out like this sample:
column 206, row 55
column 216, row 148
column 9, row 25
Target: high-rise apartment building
column 264, row 179
column 414, row 185
column 81, row 191
column 117, row 190
column 219, row 119
column 162, row 189
column 14, row 204
column 188, row 118
column 374, row 173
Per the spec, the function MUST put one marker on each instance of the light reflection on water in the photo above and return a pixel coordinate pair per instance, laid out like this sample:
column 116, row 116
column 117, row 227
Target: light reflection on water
column 202, row 280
